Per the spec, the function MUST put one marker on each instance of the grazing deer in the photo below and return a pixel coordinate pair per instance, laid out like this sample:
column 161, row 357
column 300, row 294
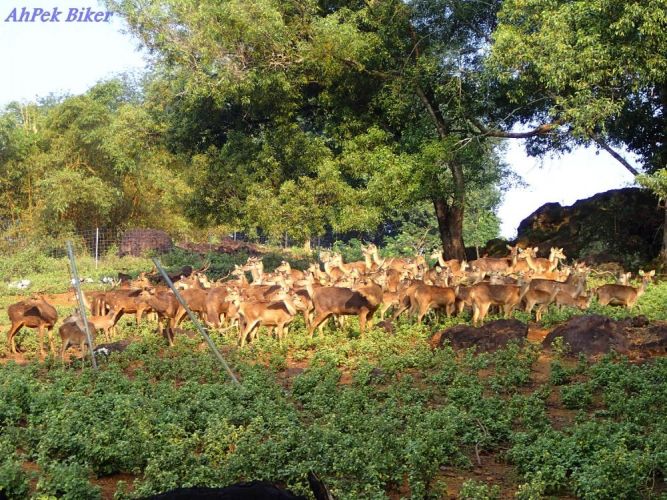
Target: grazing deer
column 32, row 313
column 483, row 295
column 582, row 302
column 166, row 305
column 252, row 315
column 130, row 301
column 426, row 297
column 328, row 301
column 72, row 332
column 623, row 295
column 106, row 323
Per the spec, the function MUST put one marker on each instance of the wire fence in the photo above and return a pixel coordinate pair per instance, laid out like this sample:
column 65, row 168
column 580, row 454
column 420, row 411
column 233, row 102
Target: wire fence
column 101, row 242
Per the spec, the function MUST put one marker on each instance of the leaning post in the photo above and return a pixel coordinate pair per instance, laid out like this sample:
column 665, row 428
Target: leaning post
column 82, row 305
column 195, row 321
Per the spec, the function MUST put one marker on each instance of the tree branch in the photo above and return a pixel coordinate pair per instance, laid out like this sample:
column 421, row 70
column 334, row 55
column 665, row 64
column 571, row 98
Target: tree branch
column 604, row 145
column 539, row 130
column 435, row 114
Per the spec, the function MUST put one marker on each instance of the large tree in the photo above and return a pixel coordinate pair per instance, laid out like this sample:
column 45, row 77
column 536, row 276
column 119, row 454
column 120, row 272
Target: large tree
column 264, row 83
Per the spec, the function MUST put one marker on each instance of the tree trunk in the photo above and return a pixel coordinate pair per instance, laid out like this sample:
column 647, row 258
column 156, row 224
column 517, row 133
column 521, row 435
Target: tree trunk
column 450, row 226
column 664, row 238
column 306, row 246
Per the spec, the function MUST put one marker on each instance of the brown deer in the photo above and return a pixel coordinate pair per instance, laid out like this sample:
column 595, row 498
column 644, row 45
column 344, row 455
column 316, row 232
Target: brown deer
column 538, row 297
column 483, row 295
column 166, row 305
column 106, row 323
column 540, row 265
column 582, row 302
column 130, row 301
column 32, row 313
column 252, row 315
column 623, row 295
column 426, row 297
column 218, row 307
column 293, row 274
column 72, row 332
column 328, row 301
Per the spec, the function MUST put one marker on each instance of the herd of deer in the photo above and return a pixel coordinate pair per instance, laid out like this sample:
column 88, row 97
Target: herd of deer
column 337, row 289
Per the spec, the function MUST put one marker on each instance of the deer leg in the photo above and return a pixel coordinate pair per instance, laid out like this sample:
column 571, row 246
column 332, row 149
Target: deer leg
column 40, row 330
column 52, row 347
column 11, row 334
column 362, row 320
column 317, row 321
column 63, row 348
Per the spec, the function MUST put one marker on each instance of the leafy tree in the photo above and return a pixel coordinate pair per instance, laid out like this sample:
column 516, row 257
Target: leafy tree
column 596, row 70
column 263, row 83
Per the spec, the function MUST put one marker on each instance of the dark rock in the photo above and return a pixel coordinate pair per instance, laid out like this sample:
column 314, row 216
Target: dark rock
column 621, row 225
column 136, row 242
column 650, row 339
column 591, row 335
column 487, row 338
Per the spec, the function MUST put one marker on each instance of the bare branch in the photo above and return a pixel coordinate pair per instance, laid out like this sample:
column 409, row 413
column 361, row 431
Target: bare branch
column 604, row 145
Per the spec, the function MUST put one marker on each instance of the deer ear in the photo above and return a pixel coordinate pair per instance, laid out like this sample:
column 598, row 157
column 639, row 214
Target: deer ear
column 652, row 273
column 641, row 272
column 536, row 249
column 508, row 247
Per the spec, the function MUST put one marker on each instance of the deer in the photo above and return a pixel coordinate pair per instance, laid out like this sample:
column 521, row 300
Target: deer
column 623, row 279
column 166, row 305
column 106, row 323
column 347, row 268
column 483, row 295
column 574, row 285
column 32, row 313
column 538, row 297
column 129, row 300
column 540, row 265
column 72, row 332
column 582, row 302
column 196, row 299
column 286, row 269
column 328, row 301
column 218, row 307
column 252, row 315
column 331, row 267
column 454, row 265
column 426, row 297
column 624, row 295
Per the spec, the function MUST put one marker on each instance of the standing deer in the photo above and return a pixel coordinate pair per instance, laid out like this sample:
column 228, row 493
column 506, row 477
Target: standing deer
column 32, row 313
column 72, row 331
column 623, row 295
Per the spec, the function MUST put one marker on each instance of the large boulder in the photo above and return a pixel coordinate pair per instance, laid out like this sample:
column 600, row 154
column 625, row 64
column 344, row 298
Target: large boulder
column 621, row 225
column 591, row 335
column 486, row 338
column 137, row 242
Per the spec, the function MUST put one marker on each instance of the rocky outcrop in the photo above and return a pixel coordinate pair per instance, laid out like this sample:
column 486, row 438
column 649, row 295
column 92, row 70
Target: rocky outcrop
column 591, row 335
column 487, row 338
column 621, row 225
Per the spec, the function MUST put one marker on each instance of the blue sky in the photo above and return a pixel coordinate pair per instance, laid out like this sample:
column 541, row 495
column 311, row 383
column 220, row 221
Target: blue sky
column 40, row 58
